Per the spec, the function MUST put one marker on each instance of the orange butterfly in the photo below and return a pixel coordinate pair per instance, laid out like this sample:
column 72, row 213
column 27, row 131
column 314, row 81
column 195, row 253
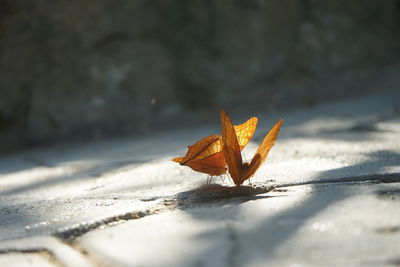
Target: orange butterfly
column 206, row 155
column 238, row 170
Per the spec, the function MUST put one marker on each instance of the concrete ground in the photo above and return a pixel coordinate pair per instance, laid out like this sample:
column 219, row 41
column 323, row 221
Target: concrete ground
column 328, row 195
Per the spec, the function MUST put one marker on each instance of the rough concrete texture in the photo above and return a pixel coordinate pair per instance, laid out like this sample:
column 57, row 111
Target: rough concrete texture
column 92, row 69
column 40, row 250
column 327, row 195
column 25, row 259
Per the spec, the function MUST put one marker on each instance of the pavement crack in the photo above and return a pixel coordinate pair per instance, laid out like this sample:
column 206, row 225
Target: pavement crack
column 93, row 261
column 214, row 193
column 70, row 234
column 373, row 178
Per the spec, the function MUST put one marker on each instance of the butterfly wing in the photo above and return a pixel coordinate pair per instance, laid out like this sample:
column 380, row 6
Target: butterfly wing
column 213, row 148
column 206, row 155
column 262, row 152
column 245, row 131
column 269, row 141
column 211, row 160
column 197, row 148
column 177, row 159
column 231, row 148
column 212, row 144
column 213, row 165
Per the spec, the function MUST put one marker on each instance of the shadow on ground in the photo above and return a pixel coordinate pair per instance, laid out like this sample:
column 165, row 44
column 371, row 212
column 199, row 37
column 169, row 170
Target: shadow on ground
column 219, row 195
column 265, row 234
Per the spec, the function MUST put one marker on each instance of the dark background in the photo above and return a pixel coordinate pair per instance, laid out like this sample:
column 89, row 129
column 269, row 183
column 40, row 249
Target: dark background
column 92, row 69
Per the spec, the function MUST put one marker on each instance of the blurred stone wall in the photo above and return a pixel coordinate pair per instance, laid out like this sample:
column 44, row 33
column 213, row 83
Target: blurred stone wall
column 100, row 68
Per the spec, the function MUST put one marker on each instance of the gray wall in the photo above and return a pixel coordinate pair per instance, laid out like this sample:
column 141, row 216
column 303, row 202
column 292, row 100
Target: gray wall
column 100, row 68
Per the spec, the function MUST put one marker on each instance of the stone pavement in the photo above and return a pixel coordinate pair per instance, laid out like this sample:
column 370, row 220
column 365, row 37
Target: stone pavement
column 328, row 195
